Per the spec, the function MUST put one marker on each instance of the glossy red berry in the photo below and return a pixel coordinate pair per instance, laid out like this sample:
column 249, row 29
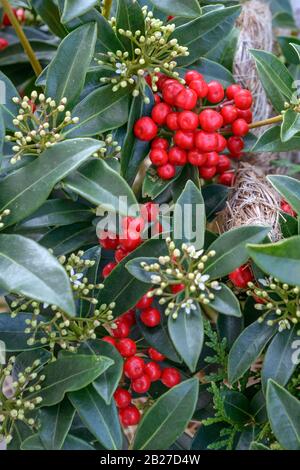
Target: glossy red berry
column 129, row 317
column 224, row 164
column 245, row 114
column 192, row 75
column 177, row 156
column 206, row 142
column 3, row 44
column 176, row 288
column 120, row 254
column 122, row 397
column 158, row 157
column 196, row 158
column 160, row 112
column 136, row 224
column 110, row 340
column 229, row 113
column 222, row 143
column 232, row 90
column 241, row 276
column 108, row 240
column 155, row 355
column 153, row 370
column 285, row 207
column 108, row 269
column 144, row 302
column 172, row 121
column 210, row 120
column 211, row 159
column 200, row 87
column 157, row 98
column 141, row 384
column 129, row 416
column 227, row 178
column 19, row 14
column 134, row 367
column 126, row 347
column 243, row 99
column 216, row 92
column 207, row 173
column 145, row 128
column 166, row 172
column 150, row 317
column 170, row 91
column 188, row 121
column 235, row 145
column 170, row 377
column 184, row 139
column 150, row 211
column 122, row 329
column 186, row 99
column 240, row 127
column 159, row 143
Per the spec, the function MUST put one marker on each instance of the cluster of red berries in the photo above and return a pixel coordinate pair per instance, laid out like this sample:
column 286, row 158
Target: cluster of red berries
column 285, row 207
column 130, row 236
column 196, row 132
column 241, row 276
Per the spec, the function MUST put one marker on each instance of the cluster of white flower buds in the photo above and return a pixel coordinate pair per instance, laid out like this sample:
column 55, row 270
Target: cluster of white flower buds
column 15, row 402
column 153, row 51
column 110, row 149
column 277, row 300
column 181, row 279
column 3, row 214
column 40, row 124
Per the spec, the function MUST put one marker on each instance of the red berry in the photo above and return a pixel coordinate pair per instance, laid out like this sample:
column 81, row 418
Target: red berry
column 285, row 207
column 184, row 139
column 245, row 114
column 241, row 276
column 158, row 157
column 227, row 178
column 232, row 90
column 122, row 397
column 186, row 99
column 161, row 80
column 166, row 172
column 195, row 157
column 134, row 367
column 122, row 330
column 172, row 121
column 136, row 224
column 177, row 156
column 188, row 121
column 159, row 143
column 141, row 384
column 130, row 240
column 157, row 98
column 129, row 317
column 19, row 14
column 243, row 99
column 206, row 142
column 150, row 317
column 144, row 302
column 170, row 91
column 224, row 164
column 240, row 127
column 120, row 254
column 153, row 370
column 145, row 128
column 235, row 145
column 207, row 173
column 108, row 269
column 210, row 120
column 192, row 75
column 3, row 44
column 126, row 347
column 108, row 240
column 211, row 159
column 129, row 416
column 222, row 143
column 200, row 87
column 216, row 92
column 229, row 113
column 150, row 211
column 176, row 288
column 110, row 340
column 160, row 112
column 170, row 377
column 155, row 355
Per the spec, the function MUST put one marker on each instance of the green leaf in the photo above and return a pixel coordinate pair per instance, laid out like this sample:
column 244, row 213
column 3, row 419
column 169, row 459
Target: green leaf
column 215, row 197
column 271, row 141
column 236, row 407
column 187, row 334
column 74, row 8
column 247, row 348
column 288, row 49
column 284, row 415
column 75, row 443
column 186, row 9
column 290, row 126
column 101, row 419
column 130, row 18
column 164, row 422
column 189, row 217
column 202, row 33
column 213, row 71
column 280, row 260
column 225, row 302
column 9, row 109
column 279, row 363
column 135, row 268
column 106, row 38
column 289, row 188
column 26, row 190
column 30, row 270
column 55, row 422
column 100, row 111
column 12, row 331
column 15, row 54
column 68, row 374
column 231, row 251
column 153, row 186
column 275, row 77
column 102, row 186
column 67, row 71
column 67, row 239
column 294, row 45
column 49, row 12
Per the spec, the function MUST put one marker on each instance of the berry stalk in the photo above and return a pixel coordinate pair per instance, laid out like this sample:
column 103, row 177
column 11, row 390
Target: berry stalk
column 23, row 39
column 106, row 8
column 266, row 122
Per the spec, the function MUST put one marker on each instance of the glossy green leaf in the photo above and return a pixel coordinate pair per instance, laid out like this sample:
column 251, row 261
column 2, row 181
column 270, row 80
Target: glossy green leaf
column 164, row 422
column 236, row 407
column 26, row 190
column 284, row 415
column 289, row 188
column 48, row 11
column 187, row 334
column 153, row 186
column 270, row 141
column 67, row 71
column 67, row 239
column 99, row 184
column 8, row 107
column 288, row 50
column 226, row 302
column 74, row 8
column 290, row 126
column 215, row 197
column 27, row 358
column 280, row 260
column 12, row 331
column 55, row 423
column 231, row 251
column 135, row 268
column 107, row 40
column 30, row 270
column 75, row 443
column 130, row 18
column 186, row 9
column 14, row 53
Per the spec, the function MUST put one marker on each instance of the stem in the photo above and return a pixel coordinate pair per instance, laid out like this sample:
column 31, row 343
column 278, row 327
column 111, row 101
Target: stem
column 23, row 39
column 106, row 8
column 266, row 122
